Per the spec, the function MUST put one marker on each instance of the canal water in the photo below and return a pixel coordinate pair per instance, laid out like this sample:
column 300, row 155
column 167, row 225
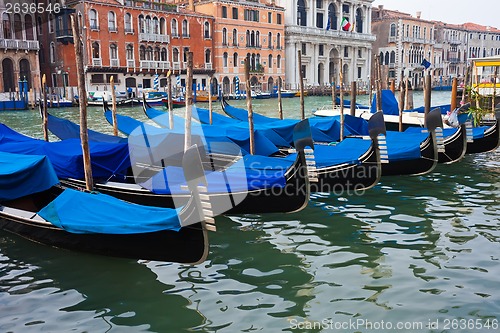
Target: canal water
column 413, row 254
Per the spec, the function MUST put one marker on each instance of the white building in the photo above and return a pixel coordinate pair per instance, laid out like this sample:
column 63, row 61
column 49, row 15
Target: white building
column 328, row 32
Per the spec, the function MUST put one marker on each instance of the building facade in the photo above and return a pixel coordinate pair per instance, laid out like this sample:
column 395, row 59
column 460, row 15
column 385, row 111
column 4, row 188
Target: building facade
column 253, row 29
column 20, row 47
column 403, row 42
column 328, row 33
column 133, row 42
column 482, row 41
column 451, row 62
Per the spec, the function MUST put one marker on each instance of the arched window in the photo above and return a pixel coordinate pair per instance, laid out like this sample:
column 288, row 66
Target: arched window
column 142, row 52
column 393, row 30
column 278, row 61
column 206, row 30
column 278, row 41
column 185, row 54
column 270, row 61
column 224, row 36
column 93, row 21
column 332, row 16
column 235, row 37
column 393, row 57
column 25, row 71
column 113, row 52
column 52, row 52
column 248, row 38
column 386, row 60
column 163, row 54
column 28, row 26
column 252, row 38
column 142, row 29
column 359, row 20
column 235, row 59
column 301, row 13
column 96, row 51
column 148, row 26
column 8, row 75
column 111, row 21
column 18, row 26
column 270, row 40
column 208, row 57
column 257, row 39
column 130, row 52
column 149, row 53
column 224, row 60
column 163, row 23
column 175, row 55
column 51, row 23
column 381, row 58
column 6, row 24
column 156, row 26
column 156, row 55
column 173, row 28
column 128, row 23
column 185, row 29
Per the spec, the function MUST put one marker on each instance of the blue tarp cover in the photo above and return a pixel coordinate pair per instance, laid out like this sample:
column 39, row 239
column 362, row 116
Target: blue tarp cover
column 404, row 146
column 66, row 156
column 65, row 129
column 249, row 173
column 212, row 136
column 21, row 175
column 389, row 103
column 399, row 146
column 323, row 129
column 89, row 213
column 347, row 151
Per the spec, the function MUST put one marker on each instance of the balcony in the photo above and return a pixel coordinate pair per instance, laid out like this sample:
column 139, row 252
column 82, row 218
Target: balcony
column 17, row 44
column 97, row 62
column 154, row 64
column 318, row 33
column 156, row 38
column 392, row 39
column 130, row 63
column 176, row 66
column 114, row 63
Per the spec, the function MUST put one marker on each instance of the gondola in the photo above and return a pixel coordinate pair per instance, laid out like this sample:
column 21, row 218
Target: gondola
column 260, row 184
column 454, row 143
column 34, row 206
column 352, row 164
column 487, row 140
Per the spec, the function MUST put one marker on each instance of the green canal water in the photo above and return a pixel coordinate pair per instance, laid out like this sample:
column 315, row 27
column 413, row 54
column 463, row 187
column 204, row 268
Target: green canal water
column 413, row 254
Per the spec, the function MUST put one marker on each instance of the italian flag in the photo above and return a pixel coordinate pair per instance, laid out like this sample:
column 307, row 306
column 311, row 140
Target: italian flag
column 346, row 26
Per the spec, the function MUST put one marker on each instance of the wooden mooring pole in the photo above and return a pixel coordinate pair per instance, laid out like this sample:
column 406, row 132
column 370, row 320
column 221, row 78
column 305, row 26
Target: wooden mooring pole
column 89, row 183
column 249, row 105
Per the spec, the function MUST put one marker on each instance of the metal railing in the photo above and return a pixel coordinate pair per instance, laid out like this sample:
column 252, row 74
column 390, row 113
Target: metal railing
column 17, row 44
column 154, row 38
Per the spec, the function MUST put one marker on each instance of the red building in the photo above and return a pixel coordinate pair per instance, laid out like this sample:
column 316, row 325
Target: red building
column 133, row 41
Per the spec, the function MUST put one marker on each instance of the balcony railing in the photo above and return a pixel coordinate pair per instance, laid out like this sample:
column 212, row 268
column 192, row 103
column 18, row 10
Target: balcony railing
column 114, row 62
column 97, row 62
column 154, row 38
column 318, row 32
column 130, row 63
column 208, row 65
column 154, row 64
column 17, row 44
column 176, row 66
column 64, row 33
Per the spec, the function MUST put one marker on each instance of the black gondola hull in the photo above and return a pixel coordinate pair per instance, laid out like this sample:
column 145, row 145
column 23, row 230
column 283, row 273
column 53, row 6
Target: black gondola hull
column 419, row 166
column 490, row 141
column 455, row 147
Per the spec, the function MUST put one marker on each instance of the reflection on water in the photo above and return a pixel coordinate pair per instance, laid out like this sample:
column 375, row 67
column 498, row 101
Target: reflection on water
column 412, row 249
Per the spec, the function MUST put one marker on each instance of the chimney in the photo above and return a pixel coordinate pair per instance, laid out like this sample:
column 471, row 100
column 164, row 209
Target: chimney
column 419, row 14
column 191, row 5
column 381, row 7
